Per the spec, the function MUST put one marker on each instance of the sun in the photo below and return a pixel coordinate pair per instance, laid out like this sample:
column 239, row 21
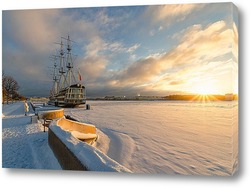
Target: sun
column 204, row 89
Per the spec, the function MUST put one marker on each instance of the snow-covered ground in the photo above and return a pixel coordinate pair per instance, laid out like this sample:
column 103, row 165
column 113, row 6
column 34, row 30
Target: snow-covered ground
column 24, row 145
column 145, row 137
column 167, row 137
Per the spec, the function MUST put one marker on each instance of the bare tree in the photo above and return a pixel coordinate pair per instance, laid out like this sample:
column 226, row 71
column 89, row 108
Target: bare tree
column 3, row 89
column 10, row 87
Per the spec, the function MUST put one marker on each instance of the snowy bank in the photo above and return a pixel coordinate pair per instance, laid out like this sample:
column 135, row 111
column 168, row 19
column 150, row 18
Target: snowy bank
column 41, row 106
column 51, row 114
column 24, row 144
column 74, row 154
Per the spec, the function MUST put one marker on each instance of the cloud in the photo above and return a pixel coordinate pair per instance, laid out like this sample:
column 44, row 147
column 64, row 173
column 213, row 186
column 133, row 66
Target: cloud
column 176, row 82
column 92, row 68
column 139, row 72
column 169, row 14
column 29, row 36
column 235, row 41
column 133, row 48
column 119, row 47
column 30, row 28
column 197, row 47
column 98, row 53
column 94, row 47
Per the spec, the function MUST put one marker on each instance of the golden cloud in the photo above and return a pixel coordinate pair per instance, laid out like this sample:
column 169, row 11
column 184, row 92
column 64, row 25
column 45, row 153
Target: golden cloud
column 197, row 48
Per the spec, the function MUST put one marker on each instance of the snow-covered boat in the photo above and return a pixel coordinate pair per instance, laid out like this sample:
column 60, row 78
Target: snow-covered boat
column 67, row 91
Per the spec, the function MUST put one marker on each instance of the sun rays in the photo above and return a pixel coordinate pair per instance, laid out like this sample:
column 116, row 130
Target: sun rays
column 204, row 98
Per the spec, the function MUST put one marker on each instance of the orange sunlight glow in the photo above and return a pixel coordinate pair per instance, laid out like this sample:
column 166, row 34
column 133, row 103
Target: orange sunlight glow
column 205, row 88
column 204, row 98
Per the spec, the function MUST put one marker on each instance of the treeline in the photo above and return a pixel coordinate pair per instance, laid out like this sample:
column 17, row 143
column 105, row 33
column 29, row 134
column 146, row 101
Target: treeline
column 227, row 97
column 10, row 89
column 190, row 97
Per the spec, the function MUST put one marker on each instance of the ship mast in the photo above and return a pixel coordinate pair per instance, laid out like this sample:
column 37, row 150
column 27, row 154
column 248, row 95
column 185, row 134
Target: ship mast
column 70, row 75
column 66, row 90
column 55, row 78
column 66, row 77
column 62, row 72
column 55, row 75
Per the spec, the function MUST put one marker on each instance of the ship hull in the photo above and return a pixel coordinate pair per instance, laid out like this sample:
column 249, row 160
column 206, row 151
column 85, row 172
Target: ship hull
column 71, row 96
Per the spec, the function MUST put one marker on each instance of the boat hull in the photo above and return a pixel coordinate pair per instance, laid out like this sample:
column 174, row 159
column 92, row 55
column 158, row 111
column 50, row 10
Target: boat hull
column 72, row 96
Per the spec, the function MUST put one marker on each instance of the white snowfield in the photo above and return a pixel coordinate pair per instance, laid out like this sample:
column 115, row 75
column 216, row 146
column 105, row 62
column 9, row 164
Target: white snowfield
column 173, row 137
column 24, row 145
column 187, row 138
column 92, row 158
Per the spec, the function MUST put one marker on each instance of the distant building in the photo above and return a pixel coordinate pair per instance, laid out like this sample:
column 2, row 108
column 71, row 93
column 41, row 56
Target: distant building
column 109, row 97
column 229, row 97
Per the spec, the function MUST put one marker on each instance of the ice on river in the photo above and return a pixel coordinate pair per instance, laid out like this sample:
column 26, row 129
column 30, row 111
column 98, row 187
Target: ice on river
column 199, row 138
column 172, row 137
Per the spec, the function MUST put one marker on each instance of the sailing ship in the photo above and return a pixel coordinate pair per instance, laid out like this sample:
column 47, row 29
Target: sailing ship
column 67, row 91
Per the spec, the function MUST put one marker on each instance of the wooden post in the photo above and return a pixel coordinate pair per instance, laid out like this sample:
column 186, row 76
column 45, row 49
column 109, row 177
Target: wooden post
column 44, row 123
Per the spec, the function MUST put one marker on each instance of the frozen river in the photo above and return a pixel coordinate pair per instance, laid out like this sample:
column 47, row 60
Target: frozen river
column 172, row 137
column 144, row 136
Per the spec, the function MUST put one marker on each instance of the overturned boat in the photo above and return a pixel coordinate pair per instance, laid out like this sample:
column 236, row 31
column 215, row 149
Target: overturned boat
column 67, row 91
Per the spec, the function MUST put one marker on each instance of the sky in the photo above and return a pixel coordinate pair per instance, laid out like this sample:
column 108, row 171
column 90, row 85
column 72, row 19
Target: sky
column 127, row 50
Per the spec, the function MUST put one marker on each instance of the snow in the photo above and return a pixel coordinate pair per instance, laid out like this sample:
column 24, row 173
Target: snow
column 83, row 136
column 92, row 158
column 24, row 145
column 187, row 138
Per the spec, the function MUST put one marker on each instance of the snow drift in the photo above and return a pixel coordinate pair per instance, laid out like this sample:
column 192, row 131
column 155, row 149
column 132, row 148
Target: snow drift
column 91, row 158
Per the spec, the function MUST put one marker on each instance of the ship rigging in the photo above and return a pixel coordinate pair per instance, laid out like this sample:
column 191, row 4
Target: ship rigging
column 67, row 91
